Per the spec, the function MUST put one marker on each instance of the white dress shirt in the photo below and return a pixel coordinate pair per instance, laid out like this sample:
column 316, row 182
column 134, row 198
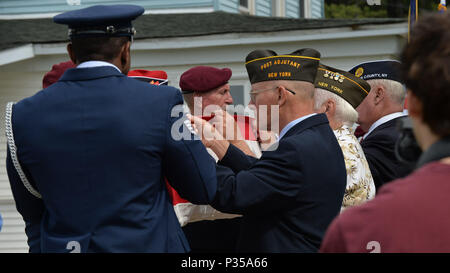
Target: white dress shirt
column 292, row 124
column 90, row 64
column 383, row 120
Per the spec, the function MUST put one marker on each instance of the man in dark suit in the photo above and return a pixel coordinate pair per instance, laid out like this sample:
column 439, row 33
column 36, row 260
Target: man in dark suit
column 292, row 193
column 94, row 147
column 378, row 115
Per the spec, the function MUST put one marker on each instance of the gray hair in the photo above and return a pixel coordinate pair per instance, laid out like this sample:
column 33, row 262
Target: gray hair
column 189, row 100
column 395, row 90
column 345, row 113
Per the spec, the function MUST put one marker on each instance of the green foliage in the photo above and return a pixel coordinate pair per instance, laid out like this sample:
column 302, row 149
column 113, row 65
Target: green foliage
column 353, row 11
column 388, row 8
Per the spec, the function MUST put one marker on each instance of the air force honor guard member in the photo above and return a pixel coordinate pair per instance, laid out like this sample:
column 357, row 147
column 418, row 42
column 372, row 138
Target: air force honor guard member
column 94, row 147
column 291, row 194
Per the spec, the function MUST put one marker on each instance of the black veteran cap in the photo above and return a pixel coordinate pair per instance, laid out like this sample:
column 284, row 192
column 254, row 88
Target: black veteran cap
column 342, row 83
column 100, row 20
column 388, row 70
column 266, row 65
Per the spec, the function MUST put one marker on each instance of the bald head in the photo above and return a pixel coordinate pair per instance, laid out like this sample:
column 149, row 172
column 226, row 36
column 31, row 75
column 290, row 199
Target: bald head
column 294, row 99
column 303, row 90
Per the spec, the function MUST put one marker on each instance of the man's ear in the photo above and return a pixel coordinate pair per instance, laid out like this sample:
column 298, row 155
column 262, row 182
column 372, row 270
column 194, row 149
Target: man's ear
column 330, row 107
column 71, row 53
column 125, row 54
column 281, row 95
column 380, row 93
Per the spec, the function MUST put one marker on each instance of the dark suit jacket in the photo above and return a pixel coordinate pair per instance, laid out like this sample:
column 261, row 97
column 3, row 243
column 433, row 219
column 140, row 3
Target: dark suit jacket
column 289, row 196
column 97, row 145
column 379, row 148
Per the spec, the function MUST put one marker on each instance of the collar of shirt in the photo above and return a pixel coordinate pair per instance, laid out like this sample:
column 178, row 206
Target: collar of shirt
column 292, row 124
column 383, row 120
column 90, row 64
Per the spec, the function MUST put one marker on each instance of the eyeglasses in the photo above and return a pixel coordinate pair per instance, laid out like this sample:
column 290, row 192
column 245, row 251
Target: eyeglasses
column 254, row 92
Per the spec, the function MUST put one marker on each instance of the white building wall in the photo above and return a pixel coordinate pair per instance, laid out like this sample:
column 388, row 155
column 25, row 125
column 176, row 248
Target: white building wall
column 317, row 8
column 292, row 8
column 263, row 7
column 228, row 5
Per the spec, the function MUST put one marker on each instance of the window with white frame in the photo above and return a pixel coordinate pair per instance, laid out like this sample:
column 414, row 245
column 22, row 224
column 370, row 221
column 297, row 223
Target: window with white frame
column 243, row 3
column 243, row 7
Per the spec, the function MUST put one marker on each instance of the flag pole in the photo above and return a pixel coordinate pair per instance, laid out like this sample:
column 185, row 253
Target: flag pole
column 413, row 15
column 442, row 6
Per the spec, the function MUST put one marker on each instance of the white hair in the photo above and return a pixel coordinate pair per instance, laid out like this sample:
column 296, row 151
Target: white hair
column 345, row 113
column 396, row 90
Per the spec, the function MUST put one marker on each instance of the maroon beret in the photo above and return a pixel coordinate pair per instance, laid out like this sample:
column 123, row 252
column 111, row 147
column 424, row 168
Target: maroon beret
column 57, row 71
column 203, row 79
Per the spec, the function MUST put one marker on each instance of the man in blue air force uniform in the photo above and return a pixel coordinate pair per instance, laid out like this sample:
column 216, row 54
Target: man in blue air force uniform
column 292, row 193
column 94, row 148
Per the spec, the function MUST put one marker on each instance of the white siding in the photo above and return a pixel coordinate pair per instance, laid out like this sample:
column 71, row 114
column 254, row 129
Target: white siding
column 12, row 235
column 5, row 190
column 263, row 7
column 228, row 5
column 317, row 7
column 292, row 8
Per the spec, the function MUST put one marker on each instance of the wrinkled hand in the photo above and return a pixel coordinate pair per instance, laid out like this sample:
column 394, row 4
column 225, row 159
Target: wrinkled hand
column 266, row 139
column 210, row 137
column 226, row 125
column 205, row 130
column 230, row 131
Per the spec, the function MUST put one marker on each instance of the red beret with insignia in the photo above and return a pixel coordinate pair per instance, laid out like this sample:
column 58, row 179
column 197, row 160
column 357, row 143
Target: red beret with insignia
column 156, row 77
column 203, row 79
column 57, row 71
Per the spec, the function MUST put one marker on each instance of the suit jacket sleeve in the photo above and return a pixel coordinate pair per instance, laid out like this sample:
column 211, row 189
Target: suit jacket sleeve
column 375, row 156
column 268, row 185
column 236, row 160
column 187, row 165
column 30, row 207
